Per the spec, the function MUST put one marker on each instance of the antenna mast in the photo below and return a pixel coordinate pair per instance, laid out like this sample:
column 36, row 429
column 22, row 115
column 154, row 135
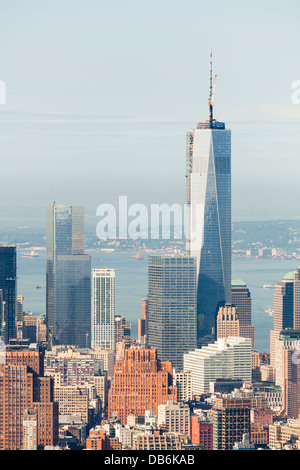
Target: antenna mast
column 212, row 85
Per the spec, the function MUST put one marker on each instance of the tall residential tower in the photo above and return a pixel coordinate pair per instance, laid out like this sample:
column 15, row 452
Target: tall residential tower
column 208, row 230
column 103, row 308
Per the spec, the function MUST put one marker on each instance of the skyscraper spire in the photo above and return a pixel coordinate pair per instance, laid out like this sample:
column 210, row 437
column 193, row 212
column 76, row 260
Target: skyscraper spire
column 211, row 90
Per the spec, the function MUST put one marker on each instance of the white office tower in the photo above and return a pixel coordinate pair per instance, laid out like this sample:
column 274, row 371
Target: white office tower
column 103, row 309
column 227, row 358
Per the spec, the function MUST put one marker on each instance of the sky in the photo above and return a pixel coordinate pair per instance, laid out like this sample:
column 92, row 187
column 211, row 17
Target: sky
column 100, row 95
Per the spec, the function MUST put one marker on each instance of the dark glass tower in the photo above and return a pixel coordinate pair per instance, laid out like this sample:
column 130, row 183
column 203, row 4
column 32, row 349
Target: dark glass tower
column 241, row 299
column 172, row 306
column 68, row 277
column 8, row 292
column 208, row 230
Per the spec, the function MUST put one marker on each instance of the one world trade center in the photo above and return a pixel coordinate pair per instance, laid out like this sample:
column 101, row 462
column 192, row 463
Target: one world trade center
column 208, row 226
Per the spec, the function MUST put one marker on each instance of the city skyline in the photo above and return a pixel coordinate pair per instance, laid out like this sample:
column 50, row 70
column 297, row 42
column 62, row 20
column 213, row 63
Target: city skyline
column 150, row 329
column 61, row 113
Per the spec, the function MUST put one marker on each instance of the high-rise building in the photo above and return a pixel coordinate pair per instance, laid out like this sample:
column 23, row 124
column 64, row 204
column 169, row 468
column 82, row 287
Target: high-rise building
column 73, row 399
column 287, row 370
column 141, row 382
column 143, row 322
column 78, row 376
column 288, row 339
column 71, row 366
column 103, row 308
column 229, row 324
column 208, row 230
column 20, row 352
column 101, row 386
column 41, row 329
column 30, row 430
column 202, row 430
column 107, row 357
column 23, row 387
column 226, row 358
column 241, row 299
column 296, row 310
column 291, row 382
column 8, row 292
column 183, row 382
column 174, row 417
column 19, row 319
column 122, row 346
column 122, row 329
column 30, row 327
column 231, row 419
column 172, row 306
column 285, row 311
column 68, row 277
column 16, row 386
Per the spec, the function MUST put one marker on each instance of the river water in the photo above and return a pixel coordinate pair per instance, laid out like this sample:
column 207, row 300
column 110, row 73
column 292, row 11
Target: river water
column 131, row 286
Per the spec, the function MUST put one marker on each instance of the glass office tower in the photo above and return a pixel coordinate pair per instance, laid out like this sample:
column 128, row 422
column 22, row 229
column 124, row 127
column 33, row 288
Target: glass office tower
column 172, row 314
column 68, row 277
column 208, row 229
column 8, row 292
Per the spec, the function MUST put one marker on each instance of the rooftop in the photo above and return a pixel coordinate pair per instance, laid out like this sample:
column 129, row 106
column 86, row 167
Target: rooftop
column 289, row 276
column 238, row 283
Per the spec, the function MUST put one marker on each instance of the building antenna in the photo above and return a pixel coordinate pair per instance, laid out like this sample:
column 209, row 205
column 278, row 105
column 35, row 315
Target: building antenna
column 212, row 84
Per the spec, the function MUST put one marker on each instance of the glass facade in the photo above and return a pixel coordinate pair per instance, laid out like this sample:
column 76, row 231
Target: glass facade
column 209, row 221
column 8, row 292
column 68, row 277
column 172, row 306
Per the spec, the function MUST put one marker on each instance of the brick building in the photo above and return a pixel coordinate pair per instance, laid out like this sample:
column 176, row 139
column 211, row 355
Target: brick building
column 141, row 382
column 98, row 440
column 23, row 387
column 202, row 431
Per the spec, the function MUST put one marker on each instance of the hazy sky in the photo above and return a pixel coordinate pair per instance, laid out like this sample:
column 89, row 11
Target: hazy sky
column 100, row 95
